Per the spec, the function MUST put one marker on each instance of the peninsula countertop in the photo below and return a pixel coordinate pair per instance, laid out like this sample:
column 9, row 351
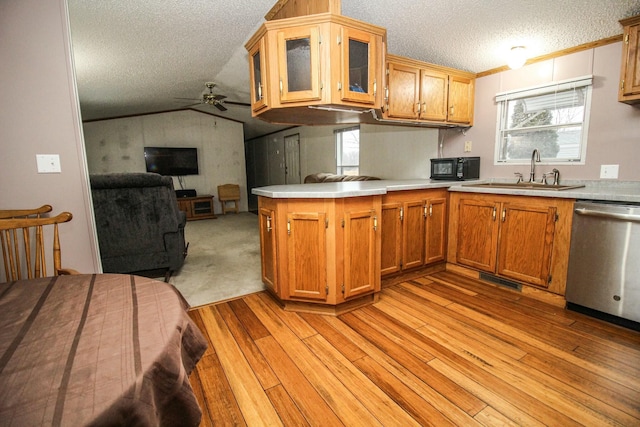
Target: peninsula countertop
column 617, row 191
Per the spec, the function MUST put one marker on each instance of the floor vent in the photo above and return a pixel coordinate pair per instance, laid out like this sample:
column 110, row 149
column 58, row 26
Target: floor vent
column 502, row 282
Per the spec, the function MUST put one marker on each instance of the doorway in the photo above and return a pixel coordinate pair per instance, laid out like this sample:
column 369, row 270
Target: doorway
column 292, row 159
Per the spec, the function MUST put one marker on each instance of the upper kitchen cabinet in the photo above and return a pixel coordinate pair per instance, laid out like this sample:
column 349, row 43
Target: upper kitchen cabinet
column 258, row 76
column 324, row 60
column 630, row 72
column 428, row 93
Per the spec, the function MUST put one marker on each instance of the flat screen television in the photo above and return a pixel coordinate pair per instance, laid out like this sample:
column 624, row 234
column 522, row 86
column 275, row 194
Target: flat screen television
column 172, row 161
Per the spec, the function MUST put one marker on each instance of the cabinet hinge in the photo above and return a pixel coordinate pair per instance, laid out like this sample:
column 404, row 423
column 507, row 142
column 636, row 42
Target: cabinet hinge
column 622, row 84
column 387, row 71
column 326, row 223
column 626, row 38
column 343, row 289
column 339, row 39
column 342, row 223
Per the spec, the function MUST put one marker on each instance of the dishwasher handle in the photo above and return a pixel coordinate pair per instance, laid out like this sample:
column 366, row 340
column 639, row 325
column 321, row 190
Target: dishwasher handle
column 612, row 215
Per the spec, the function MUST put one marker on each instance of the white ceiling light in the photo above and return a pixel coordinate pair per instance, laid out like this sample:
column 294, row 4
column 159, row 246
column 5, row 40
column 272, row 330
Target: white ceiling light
column 517, row 57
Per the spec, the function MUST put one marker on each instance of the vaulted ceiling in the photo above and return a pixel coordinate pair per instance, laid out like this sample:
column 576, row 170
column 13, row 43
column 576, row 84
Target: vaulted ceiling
column 139, row 56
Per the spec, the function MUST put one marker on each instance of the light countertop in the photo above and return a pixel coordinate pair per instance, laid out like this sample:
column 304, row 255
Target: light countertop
column 609, row 190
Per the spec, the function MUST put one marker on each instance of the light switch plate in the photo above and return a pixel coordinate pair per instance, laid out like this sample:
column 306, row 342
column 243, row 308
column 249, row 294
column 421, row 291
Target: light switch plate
column 467, row 146
column 48, row 163
column 609, row 171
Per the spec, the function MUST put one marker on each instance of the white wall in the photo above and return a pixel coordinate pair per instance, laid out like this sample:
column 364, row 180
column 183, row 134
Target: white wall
column 39, row 114
column 117, row 145
column 614, row 128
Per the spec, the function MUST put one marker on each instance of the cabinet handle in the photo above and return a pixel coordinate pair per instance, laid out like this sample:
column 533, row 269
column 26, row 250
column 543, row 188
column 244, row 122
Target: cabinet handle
column 268, row 224
column 259, row 91
column 375, row 87
column 504, row 214
column 401, row 214
column 418, row 104
column 430, row 209
column 425, row 211
column 493, row 214
column 451, row 111
column 424, row 106
column 375, row 223
column 281, row 87
column 289, row 227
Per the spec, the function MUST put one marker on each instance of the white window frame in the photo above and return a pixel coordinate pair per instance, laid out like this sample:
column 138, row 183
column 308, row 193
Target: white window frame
column 338, row 142
column 502, row 119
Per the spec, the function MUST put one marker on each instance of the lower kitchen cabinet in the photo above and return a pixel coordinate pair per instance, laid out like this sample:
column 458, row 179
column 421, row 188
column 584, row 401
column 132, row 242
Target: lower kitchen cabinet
column 413, row 229
column 321, row 254
column 522, row 238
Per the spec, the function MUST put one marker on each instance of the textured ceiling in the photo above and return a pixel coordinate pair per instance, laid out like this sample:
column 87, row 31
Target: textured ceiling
column 137, row 56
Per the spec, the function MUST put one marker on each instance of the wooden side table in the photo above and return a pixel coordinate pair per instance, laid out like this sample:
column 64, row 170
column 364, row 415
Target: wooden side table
column 199, row 207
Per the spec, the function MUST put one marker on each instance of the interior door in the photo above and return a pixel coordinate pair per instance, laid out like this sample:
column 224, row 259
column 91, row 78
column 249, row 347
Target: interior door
column 292, row 159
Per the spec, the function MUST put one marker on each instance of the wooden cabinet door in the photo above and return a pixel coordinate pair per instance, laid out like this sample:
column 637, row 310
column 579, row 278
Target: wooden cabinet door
column 460, row 100
column 631, row 62
column 391, row 245
column 433, row 95
column 258, row 75
column 360, row 253
column 435, row 232
column 412, row 234
column 403, row 98
column 526, row 242
column 299, row 64
column 268, row 253
column 477, row 237
column 307, row 256
column 359, row 56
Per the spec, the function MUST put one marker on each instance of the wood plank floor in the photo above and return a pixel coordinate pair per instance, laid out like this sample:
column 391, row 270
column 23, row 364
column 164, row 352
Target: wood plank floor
column 438, row 350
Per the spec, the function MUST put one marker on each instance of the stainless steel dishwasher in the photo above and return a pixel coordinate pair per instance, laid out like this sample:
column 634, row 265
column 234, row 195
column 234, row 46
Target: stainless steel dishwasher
column 604, row 262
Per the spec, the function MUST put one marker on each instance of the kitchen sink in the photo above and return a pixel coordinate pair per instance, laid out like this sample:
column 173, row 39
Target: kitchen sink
column 523, row 186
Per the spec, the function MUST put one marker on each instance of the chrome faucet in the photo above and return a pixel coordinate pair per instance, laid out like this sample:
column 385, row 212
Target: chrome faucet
column 535, row 157
column 556, row 177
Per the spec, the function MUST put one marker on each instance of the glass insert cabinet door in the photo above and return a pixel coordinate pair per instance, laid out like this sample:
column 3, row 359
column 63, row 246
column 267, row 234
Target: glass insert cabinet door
column 258, row 76
column 358, row 50
column 299, row 64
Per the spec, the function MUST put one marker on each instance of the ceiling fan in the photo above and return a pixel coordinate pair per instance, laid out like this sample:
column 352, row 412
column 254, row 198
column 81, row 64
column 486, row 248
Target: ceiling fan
column 211, row 98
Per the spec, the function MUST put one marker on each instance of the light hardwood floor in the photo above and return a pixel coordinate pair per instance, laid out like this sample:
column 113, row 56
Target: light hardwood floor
column 438, row 350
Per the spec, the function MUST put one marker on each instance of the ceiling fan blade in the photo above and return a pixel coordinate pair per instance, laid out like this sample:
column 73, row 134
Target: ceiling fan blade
column 220, row 107
column 218, row 97
column 241, row 104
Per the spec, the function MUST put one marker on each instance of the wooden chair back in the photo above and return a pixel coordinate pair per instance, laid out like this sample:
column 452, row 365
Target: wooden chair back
column 25, row 213
column 23, row 246
column 229, row 193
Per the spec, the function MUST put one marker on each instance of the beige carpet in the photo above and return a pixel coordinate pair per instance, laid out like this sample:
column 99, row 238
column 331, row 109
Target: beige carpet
column 223, row 260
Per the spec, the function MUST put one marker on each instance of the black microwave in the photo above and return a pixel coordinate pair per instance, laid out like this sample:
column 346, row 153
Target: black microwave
column 455, row 168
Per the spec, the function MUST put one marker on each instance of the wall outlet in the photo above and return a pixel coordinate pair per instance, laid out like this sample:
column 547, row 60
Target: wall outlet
column 48, row 163
column 609, row 171
column 467, row 146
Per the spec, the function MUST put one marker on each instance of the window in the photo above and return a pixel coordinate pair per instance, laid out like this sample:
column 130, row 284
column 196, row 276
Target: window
column 348, row 151
column 552, row 118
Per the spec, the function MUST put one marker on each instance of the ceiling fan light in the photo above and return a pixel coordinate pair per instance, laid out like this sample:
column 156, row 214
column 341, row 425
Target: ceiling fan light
column 517, row 57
